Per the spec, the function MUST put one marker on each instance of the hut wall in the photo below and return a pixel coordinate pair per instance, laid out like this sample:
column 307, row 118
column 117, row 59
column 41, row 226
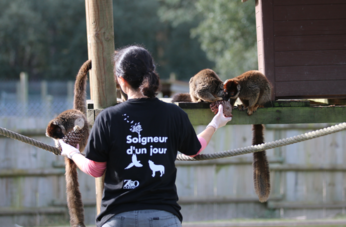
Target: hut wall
column 302, row 47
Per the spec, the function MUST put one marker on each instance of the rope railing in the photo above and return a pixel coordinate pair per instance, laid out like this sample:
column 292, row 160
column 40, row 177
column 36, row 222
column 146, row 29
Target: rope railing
column 224, row 154
column 28, row 140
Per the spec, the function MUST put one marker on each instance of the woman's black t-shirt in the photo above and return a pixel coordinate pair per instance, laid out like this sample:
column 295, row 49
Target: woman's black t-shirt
column 139, row 140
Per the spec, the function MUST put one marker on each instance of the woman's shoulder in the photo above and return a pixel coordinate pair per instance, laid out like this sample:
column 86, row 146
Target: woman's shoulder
column 172, row 109
column 110, row 111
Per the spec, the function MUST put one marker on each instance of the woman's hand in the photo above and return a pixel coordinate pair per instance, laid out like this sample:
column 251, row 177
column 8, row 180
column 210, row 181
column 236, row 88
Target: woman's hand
column 68, row 150
column 219, row 119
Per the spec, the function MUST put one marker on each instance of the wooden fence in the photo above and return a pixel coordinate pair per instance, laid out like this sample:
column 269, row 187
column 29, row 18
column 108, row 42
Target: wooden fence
column 308, row 178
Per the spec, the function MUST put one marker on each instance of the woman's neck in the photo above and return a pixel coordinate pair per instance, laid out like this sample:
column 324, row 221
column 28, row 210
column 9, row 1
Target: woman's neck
column 135, row 94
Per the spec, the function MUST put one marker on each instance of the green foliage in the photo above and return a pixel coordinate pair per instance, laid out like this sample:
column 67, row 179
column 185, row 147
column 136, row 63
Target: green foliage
column 20, row 38
column 42, row 38
column 226, row 30
column 48, row 38
column 137, row 22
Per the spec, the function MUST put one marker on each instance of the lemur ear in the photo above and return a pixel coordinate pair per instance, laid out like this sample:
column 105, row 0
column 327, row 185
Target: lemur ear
column 78, row 124
column 238, row 87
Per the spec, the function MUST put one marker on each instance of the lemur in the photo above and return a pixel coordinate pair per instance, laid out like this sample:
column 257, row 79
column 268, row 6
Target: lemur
column 205, row 86
column 254, row 90
column 73, row 122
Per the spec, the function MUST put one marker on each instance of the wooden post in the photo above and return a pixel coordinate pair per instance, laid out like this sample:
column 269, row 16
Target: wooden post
column 100, row 31
column 70, row 93
column 22, row 91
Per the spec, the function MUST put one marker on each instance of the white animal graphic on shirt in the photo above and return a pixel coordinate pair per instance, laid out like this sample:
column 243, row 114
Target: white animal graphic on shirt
column 134, row 162
column 156, row 168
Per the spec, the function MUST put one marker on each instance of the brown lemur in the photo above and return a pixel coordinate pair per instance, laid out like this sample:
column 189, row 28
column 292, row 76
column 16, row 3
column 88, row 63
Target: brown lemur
column 205, row 86
column 254, row 90
column 72, row 126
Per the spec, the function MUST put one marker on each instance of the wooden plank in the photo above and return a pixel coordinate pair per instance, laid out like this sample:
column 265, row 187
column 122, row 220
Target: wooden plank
column 265, row 40
column 86, row 202
column 310, row 42
column 310, row 58
column 275, row 115
column 224, row 199
column 305, row 205
column 306, row 2
column 310, row 12
column 309, row 27
column 317, row 89
column 300, row 103
column 310, row 73
column 225, row 181
column 185, row 181
column 31, row 210
column 30, row 172
column 261, row 222
column 226, row 162
column 282, row 128
column 203, row 182
column 309, row 167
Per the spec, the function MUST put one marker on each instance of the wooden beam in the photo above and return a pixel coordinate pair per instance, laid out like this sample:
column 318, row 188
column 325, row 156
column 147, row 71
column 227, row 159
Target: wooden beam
column 233, row 161
column 279, row 113
column 31, row 210
column 100, row 29
column 31, row 172
column 305, row 205
column 256, row 222
column 224, row 199
column 307, row 167
column 100, row 32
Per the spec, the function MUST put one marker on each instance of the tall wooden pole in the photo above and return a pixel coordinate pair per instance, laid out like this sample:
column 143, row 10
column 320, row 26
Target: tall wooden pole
column 100, row 31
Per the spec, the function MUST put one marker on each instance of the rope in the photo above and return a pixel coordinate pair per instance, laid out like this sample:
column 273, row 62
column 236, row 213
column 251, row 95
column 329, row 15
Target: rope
column 28, row 140
column 265, row 146
column 182, row 157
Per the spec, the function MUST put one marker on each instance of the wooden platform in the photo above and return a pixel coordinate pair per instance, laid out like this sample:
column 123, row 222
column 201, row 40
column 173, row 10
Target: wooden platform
column 279, row 112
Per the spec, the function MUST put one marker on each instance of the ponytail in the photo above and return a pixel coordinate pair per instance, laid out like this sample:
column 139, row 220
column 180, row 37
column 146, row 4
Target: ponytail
column 150, row 84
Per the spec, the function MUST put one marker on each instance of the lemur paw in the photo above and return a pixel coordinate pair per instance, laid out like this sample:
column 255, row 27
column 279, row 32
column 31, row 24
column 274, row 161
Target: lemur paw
column 241, row 107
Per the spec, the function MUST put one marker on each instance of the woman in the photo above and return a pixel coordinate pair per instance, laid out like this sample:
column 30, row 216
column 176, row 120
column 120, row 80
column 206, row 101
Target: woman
column 136, row 144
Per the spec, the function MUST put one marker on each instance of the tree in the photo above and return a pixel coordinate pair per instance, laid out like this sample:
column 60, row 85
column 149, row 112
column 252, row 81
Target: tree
column 225, row 29
column 137, row 22
column 20, row 38
column 48, row 38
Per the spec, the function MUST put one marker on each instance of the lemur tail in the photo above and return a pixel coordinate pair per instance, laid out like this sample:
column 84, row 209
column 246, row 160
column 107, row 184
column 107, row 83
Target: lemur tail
column 74, row 198
column 79, row 101
column 181, row 97
column 260, row 165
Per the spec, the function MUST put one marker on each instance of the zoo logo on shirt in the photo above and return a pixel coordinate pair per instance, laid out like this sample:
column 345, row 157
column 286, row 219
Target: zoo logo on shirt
column 130, row 184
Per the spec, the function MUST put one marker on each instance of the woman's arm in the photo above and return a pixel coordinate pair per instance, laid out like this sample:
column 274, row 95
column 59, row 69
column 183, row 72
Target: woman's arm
column 92, row 168
column 218, row 121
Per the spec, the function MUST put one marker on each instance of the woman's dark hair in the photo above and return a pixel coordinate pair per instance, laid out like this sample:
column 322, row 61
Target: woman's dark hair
column 135, row 64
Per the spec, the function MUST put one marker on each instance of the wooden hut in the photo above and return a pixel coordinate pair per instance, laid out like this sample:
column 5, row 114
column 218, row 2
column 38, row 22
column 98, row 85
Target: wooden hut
column 302, row 47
